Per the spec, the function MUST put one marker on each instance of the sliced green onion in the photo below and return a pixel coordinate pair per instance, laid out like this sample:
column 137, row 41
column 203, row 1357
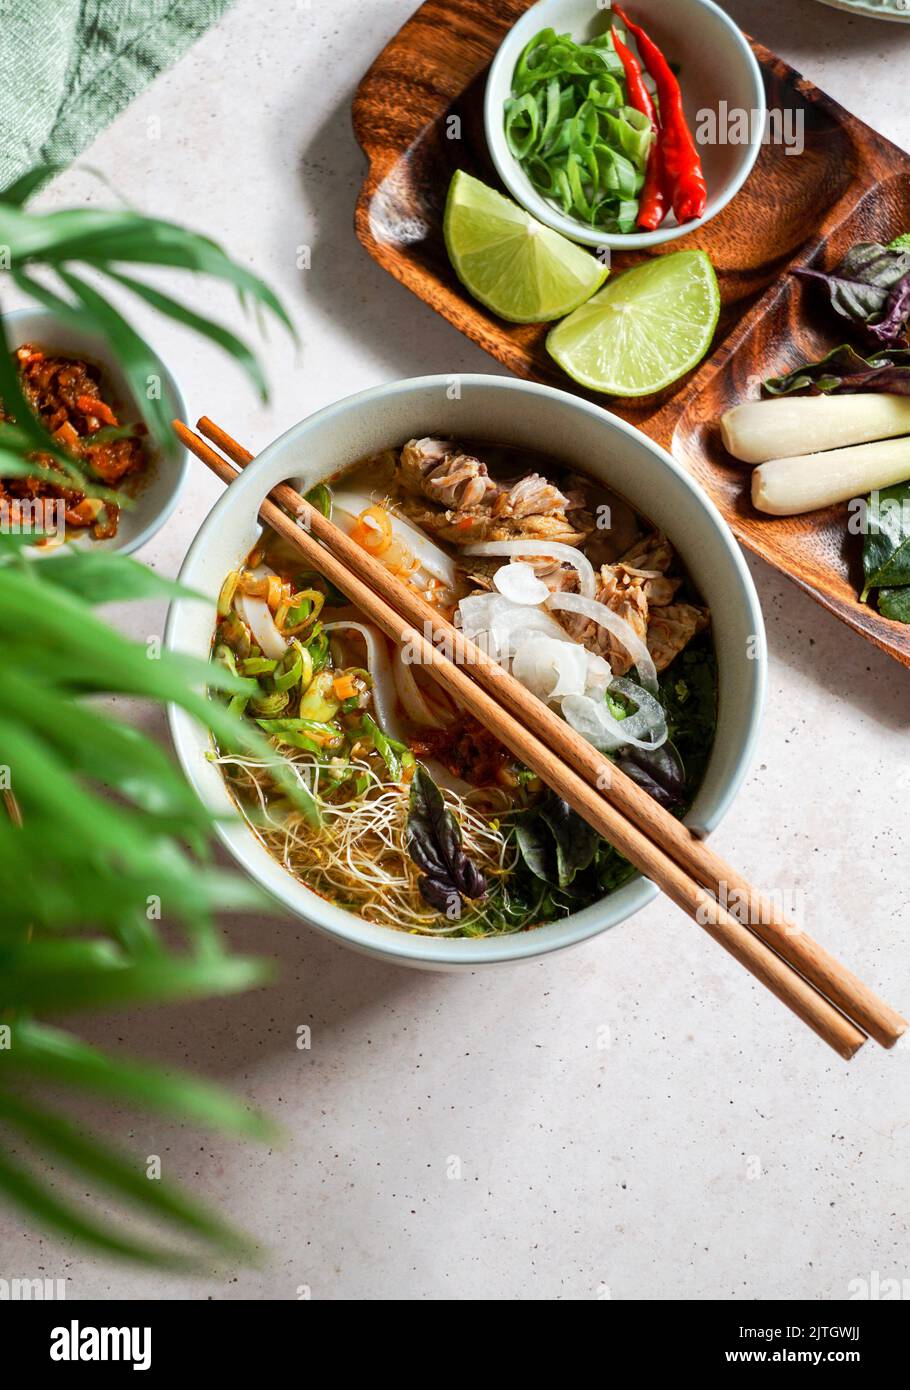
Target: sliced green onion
column 313, row 735
column 257, row 666
column 389, row 749
column 568, row 124
column 318, row 648
column 302, row 610
column 226, row 597
column 300, row 671
column 270, row 705
column 225, row 657
column 320, row 497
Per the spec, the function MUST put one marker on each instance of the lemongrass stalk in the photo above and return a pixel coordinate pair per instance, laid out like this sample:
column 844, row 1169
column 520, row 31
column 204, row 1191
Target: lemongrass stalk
column 759, row 431
column 789, row 486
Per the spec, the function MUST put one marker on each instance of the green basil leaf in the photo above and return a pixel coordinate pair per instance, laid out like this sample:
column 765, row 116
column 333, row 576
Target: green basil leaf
column 886, row 548
column 895, row 604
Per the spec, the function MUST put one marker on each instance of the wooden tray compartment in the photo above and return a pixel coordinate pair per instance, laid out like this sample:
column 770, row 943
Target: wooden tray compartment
column 418, row 115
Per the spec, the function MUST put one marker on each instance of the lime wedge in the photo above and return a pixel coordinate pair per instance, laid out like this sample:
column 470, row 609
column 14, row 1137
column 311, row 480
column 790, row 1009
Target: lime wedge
column 512, row 263
column 648, row 327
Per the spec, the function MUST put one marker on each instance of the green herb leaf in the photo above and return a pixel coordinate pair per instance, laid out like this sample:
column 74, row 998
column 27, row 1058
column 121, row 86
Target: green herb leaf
column 575, row 840
column 555, row 842
column 886, row 547
column 535, row 844
column 895, row 604
column 320, row 497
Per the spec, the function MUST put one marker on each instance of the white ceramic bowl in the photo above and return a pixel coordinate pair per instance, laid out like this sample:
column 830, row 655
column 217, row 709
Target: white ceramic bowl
column 518, row 413
column 156, row 498
column 716, row 65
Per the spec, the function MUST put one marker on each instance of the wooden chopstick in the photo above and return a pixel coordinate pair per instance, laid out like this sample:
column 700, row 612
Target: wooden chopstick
column 629, row 839
column 758, row 912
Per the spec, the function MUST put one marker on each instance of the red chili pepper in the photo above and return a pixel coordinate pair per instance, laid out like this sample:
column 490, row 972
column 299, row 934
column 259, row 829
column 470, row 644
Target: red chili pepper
column 652, row 204
column 91, row 405
column 685, row 179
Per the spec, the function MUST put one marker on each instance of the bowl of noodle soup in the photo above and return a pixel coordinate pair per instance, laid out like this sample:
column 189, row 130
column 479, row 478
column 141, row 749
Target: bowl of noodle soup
column 605, row 580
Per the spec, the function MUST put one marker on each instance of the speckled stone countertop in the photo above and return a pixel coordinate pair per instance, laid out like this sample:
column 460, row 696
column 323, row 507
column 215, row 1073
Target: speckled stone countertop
column 634, row 1118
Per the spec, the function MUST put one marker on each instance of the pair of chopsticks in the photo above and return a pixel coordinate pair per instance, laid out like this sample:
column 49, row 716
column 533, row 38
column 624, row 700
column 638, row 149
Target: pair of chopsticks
column 828, row 997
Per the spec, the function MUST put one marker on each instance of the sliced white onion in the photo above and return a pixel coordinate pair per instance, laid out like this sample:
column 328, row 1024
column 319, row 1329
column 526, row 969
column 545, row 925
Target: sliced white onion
column 621, row 630
column 519, row 584
column 593, row 720
column 448, row 781
column 414, row 702
column 549, row 668
column 380, row 668
column 433, row 560
column 257, row 615
column 600, row 675
column 496, row 624
column 567, row 554
column 477, row 612
column 649, row 717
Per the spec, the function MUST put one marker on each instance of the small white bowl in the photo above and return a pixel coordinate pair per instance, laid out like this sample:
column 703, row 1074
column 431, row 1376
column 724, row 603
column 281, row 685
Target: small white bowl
column 716, row 65
column 156, row 496
column 526, row 415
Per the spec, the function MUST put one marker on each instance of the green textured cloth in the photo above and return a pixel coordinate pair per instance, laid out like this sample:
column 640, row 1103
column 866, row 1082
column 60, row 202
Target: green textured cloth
column 67, row 67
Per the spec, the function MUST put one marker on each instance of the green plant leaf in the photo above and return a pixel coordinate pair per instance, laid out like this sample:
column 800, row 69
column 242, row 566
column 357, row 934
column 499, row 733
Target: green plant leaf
column 96, row 237
column 56, row 1056
column 19, row 192
column 223, row 337
column 895, row 604
column 48, row 1211
column 112, row 753
column 102, row 824
column 138, row 362
column 35, row 977
column 118, row 1173
column 27, row 434
column 103, row 576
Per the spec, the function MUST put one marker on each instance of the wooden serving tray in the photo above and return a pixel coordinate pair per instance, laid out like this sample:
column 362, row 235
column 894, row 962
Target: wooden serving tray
column 848, row 185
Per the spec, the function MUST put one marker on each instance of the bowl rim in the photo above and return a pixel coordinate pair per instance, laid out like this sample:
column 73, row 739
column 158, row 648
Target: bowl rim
column 509, row 172
column 442, row 952
column 181, row 463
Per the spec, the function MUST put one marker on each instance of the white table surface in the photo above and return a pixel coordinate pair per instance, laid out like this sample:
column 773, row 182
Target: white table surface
column 714, row 1149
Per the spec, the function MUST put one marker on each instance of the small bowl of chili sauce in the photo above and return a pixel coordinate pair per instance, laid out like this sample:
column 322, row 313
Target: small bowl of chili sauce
column 80, row 393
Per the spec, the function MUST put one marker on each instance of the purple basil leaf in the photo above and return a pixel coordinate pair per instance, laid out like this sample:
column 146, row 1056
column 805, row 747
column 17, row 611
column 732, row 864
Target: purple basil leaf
column 892, row 327
column 657, row 771
column 433, row 839
column 440, row 894
column 846, row 371
column 471, row 881
column 868, row 287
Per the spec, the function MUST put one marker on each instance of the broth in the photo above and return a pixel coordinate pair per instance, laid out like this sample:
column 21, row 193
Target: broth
column 375, row 790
